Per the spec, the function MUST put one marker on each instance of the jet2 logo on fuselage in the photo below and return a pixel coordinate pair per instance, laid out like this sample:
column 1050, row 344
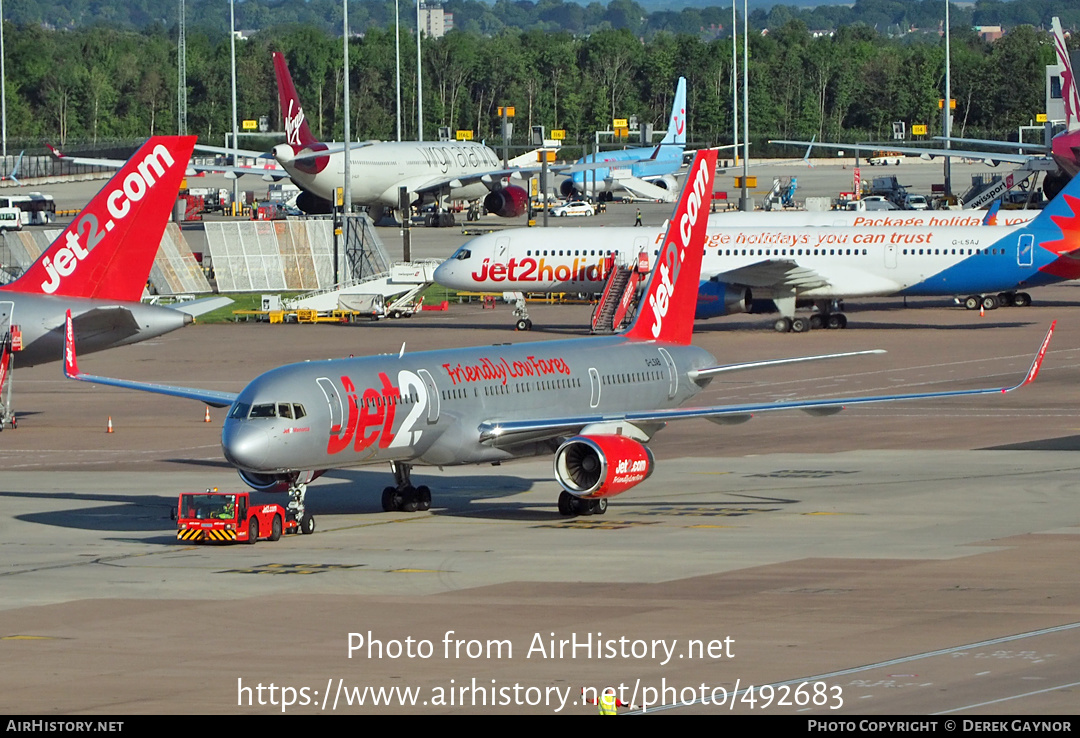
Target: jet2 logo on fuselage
column 372, row 413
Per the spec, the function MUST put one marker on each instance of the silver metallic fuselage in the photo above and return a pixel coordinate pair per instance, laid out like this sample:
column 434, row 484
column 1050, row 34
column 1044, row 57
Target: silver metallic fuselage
column 431, row 407
column 100, row 324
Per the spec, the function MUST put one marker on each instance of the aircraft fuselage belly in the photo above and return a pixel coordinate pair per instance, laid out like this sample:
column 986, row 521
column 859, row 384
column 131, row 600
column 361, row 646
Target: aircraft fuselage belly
column 377, row 170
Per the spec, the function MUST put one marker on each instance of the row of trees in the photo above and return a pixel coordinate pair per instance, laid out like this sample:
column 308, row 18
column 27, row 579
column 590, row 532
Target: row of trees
column 646, row 18
column 102, row 83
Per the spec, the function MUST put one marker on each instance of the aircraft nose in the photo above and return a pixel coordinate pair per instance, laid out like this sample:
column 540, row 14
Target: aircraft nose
column 445, row 275
column 245, row 445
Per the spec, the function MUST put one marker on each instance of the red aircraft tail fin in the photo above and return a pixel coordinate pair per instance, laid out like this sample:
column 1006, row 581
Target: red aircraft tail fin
column 106, row 252
column 667, row 307
column 297, row 133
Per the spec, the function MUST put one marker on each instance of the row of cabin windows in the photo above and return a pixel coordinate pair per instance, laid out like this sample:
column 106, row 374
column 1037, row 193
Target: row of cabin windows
column 955, row 252
column 776, row 252
column 571, row 252
column 630, row 377
column 490, row 390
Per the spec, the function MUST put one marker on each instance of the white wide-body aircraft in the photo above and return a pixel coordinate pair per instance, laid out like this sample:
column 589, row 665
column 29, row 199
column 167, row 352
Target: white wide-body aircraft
column 593, row 403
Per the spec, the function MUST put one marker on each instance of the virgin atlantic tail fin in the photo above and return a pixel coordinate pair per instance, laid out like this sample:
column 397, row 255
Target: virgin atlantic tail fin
column 106, row 252
column 667, row 307
column 1069, row 93
column 297, row 132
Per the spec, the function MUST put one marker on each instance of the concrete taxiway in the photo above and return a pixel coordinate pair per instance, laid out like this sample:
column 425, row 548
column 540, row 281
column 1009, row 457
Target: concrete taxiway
column 908, row 559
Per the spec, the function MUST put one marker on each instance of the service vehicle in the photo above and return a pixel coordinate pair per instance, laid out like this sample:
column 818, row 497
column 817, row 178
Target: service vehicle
column 575, row 207
column 230, row 517
column 885, row 158
column 916, row 202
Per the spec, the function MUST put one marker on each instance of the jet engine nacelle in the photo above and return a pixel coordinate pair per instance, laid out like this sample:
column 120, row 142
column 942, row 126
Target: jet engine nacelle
column 567, row 189
column 601, row 466
column 507, row 202
column 666, row 182
column 277, row 482
column 716, row 299
column 313, row 204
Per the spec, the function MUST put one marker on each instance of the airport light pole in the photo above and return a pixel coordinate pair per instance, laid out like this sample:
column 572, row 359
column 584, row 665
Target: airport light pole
column 232, row 51
column 947, row 107
column 347, row 204
column 735, row 82
column 744, row 202
column 397, row 53
column 419, row 85
column 3, row 86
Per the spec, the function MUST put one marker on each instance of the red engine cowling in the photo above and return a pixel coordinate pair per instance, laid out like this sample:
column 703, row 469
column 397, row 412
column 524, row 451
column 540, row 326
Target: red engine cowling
column 277, row 482
column 507, row 202
column 601, row 466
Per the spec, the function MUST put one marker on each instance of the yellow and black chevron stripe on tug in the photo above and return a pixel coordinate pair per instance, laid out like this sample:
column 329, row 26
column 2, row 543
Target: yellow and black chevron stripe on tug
column 199, row 534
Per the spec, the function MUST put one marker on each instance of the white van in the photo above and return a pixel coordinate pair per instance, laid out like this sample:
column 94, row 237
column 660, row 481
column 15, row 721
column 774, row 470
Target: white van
column 10, row 219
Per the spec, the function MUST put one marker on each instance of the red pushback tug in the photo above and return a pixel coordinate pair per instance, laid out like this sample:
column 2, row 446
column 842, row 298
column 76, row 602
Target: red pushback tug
column 229, row 517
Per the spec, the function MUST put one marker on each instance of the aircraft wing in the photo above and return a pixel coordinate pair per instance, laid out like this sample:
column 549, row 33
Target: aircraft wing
column 273, row 170
column 988, row 142
column 71, row 371
column 494, row 177
column 930, row 153
column 774, row 273
column 511, row 432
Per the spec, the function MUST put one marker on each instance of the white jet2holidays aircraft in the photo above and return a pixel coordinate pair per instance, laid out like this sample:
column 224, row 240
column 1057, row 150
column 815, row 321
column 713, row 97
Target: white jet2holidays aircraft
column 794, row 265
column 96, row 270
column 593, row 402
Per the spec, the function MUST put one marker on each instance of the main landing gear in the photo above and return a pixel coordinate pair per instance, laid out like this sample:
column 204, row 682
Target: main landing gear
column 571, row 505
column 404, row 497
column 827, row 316
column 992, row 302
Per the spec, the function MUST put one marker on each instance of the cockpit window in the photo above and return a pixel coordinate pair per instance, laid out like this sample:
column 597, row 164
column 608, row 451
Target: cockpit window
column 298, row 411
column 284, row 410
column 264, row 411
column 463, row 254
column 240, row 410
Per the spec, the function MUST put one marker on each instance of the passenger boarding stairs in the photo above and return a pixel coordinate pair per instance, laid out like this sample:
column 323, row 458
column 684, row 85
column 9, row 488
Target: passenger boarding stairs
column 409, row 277
column 10, row 342
column 615, row 308
column 987, row 188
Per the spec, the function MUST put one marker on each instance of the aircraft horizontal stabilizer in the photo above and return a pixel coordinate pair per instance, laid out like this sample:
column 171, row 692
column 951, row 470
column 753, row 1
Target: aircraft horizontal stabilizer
column 71, row 371
column 195, row 308
column 117, row 321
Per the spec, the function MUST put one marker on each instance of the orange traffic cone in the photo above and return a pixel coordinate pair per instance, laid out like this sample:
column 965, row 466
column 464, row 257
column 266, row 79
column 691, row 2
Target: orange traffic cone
column 206, row 419
column 982, row 311
column 108, row 428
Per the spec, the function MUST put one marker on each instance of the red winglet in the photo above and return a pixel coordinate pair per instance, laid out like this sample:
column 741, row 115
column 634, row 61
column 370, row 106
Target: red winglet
column 670, row 300
column 1036, row 365
column 106, row 253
